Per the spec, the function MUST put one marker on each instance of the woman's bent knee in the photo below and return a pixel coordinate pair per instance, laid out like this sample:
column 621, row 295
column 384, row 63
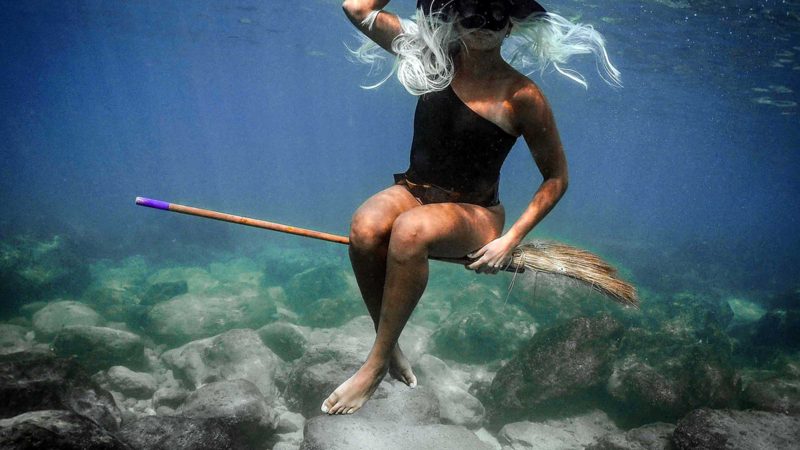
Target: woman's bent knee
column 408, row 238
column 369, row 231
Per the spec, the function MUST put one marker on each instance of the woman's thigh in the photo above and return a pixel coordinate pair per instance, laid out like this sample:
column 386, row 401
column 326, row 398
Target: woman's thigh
column 448, row 229
column 375, row 217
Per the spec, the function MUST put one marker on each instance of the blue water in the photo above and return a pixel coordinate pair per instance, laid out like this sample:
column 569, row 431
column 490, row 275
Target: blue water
column 253, row 108
column 686, row 179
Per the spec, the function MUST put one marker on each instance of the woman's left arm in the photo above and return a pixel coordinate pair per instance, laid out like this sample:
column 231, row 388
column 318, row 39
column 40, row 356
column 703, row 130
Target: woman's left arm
column 538, row 126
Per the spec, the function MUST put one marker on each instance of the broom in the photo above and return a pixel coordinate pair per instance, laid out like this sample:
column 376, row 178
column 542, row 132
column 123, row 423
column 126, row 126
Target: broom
column 540, row 256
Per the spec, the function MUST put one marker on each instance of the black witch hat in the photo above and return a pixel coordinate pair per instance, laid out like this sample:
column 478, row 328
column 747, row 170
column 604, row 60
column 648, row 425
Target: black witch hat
column 519, row 9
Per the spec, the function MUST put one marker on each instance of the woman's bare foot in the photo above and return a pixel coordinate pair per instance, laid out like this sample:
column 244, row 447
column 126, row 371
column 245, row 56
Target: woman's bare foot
column 400, row 368
column 353, row 393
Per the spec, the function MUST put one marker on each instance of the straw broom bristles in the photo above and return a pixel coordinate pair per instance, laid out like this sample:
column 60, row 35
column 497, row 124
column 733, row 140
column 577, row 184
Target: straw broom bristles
column 562, row 259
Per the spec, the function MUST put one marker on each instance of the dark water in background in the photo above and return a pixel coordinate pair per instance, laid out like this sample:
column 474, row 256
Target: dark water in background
column 252, row 108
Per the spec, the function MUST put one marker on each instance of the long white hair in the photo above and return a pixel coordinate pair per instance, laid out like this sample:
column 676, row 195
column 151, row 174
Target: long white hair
column 427, row 43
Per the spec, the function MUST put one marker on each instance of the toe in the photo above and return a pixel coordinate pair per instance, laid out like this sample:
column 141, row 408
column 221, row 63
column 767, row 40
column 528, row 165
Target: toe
column 327, row 405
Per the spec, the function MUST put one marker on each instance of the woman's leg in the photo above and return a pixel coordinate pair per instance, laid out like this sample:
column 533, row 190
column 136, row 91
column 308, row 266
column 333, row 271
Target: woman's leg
column 444, row 229
column 369, row 243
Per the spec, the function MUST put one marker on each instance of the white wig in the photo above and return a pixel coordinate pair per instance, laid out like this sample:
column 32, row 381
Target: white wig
column 426, row 46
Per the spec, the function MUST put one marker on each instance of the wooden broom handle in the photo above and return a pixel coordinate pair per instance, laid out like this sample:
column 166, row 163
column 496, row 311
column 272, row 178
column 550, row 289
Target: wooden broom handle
column 209, row 214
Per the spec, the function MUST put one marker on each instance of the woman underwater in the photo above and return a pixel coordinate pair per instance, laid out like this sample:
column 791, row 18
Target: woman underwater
column 473, row 106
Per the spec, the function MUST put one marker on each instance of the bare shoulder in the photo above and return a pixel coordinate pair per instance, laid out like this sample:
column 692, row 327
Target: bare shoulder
column 529, row 105
column 526, row 97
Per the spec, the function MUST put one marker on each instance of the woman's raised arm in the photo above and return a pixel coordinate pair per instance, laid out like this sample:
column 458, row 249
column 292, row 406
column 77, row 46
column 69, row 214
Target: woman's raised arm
column 383, row 28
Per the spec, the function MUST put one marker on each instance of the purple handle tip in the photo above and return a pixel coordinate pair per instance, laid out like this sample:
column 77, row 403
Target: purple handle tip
column 150, row 203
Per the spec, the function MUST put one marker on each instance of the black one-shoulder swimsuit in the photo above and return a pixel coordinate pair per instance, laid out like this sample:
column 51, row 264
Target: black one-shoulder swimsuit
column 456, row 149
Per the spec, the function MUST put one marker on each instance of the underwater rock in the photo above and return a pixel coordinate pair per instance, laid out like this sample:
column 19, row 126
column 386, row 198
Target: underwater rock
column 199, row 315
column 333, row 312
column 773, row 394
column 171, row 397
column 280, row 263
column 324, row 296
column 286, row 445
column 179, row 433
column 49, row 320
column 238, row 404
column 335, row 354
column 654, row 436
column 131, row 384
column 358, row 334
column 399, row 404
column 574, row 432
column 160, row 292
column 554, row 371
column 689, row 316
column 236, row 354
column 290, row 422
column 661, row 376
column 486, row 332
column 15, row 339
column 197, row 279
column 116, row 304
column 316, row 374
column 745, row 311
column 728, row 429
column 238, row 271
column 54, row 429
column 457, row 406
column 553, row 299
column 32, row 269
column 285, row 339
column 289, row 433
column 352, row 433
column 98, row 348
column 39, row 380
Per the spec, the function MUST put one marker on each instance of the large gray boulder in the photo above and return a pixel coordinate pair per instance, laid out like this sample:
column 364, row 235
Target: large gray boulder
column 352, row 433
column 654, row 436
column 14, row 338
column 710, row 429
column 774, row 394
column 456, row 404
column 285, row 339
column 662, row 376
column 159, row 292
column 397, row 403
column 238, row 404
column 236, row 354
column 56, row 429
column 129, row 383
column 180, row 433
column 49, row 320
column 197, row 315
column 554, row 371
column 314, row 376
column 570, row 433
column 552, row 299
column 39, row 380
column 99, row 348
column 324, row 296
column 482, row 333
